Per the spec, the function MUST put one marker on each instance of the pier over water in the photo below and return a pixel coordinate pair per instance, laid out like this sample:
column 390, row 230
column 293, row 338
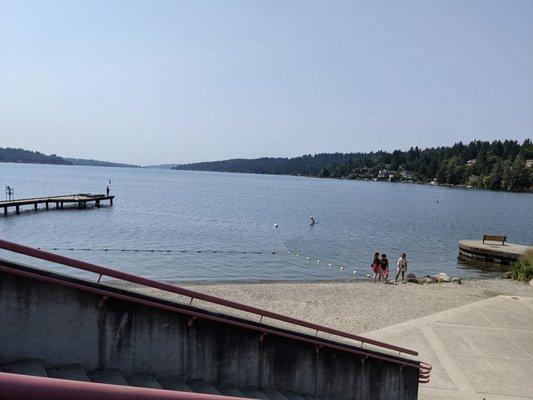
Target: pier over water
column 81, row 200
column 491, row 252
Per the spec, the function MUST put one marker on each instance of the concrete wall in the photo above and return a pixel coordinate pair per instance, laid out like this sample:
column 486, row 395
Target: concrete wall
column 62, row 325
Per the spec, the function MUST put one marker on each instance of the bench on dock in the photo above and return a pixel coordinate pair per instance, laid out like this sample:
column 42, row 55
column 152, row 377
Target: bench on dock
column 494, row 238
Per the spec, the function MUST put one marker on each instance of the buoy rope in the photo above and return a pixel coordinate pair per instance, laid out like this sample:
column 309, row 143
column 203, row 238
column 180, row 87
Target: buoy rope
column 159, row 250
column 302, row 257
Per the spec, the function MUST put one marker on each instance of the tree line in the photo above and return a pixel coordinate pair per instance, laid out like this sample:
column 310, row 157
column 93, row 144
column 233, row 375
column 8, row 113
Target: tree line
column 13, row 155
column 497, row 165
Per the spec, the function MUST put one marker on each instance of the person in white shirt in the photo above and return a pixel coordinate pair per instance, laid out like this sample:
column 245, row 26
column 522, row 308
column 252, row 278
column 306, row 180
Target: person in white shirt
column 401, row 267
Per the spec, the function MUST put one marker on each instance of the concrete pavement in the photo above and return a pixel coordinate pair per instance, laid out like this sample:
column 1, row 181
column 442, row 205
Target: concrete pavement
column 482, row 350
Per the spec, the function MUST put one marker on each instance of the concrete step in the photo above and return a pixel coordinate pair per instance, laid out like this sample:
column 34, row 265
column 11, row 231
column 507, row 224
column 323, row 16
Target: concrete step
column 174, row 383
column 254, row 393
column 74, row 372
column 109, row 376
column 274, row 394
column 229, row 390
column 201, row 386
column 143, row 380
column 33, row 367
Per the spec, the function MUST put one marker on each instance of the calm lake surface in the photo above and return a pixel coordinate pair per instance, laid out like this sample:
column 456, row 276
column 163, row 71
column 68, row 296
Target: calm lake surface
column 194, row 214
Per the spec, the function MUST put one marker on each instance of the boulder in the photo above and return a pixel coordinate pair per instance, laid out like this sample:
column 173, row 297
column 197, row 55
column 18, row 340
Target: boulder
column 411, row 278
column 457, row 280
column 427, row 279
column 442, row 277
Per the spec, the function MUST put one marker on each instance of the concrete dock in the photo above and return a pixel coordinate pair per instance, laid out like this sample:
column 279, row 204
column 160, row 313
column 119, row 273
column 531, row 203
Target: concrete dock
column 491, row 252
column 80, row 200
column 482, row 350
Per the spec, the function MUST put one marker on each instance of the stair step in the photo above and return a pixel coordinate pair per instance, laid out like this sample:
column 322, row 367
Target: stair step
column 201, row 386
column 274, row 394
column 74, row 372
column 254, row 393
column 174, row 383
column 109, row 376
column 33, row 367
column 143, row 380
column 230, row 390
column 293, row 396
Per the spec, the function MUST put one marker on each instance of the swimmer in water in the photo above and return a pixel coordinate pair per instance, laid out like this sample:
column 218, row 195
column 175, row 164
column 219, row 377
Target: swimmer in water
column 313, row 221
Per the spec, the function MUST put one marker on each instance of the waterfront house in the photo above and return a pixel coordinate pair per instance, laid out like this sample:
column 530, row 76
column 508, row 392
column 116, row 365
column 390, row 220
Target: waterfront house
column 408, row 175
column 383, row 174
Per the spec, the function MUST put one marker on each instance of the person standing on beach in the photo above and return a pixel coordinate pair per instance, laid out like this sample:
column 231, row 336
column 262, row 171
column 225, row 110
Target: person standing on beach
column 376, row 267
column 384, row 267
column 401, row 267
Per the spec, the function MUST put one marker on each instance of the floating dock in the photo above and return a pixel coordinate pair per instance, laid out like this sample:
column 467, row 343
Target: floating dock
column 491, row 252
column 80, row 200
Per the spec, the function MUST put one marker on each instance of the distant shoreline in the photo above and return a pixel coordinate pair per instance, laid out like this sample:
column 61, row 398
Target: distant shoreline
column 446, row 185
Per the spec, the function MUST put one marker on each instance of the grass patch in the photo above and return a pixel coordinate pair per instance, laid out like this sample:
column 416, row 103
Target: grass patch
column 521, row 270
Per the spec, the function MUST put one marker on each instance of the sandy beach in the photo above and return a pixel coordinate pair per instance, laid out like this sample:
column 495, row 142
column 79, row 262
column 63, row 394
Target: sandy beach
column 357, row 307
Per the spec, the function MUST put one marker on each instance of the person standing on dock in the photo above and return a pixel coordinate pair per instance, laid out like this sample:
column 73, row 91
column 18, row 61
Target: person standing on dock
column 107, row 190
column 401, row 267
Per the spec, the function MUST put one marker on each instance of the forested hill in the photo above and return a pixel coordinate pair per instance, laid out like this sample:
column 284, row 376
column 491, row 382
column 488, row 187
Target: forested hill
column 496, row 165
column 99, row 163
column 30, row 157
column 34, row 157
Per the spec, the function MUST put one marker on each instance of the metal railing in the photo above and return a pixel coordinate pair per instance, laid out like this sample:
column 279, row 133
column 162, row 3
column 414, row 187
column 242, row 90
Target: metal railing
column 15, row 386
column 424, row 368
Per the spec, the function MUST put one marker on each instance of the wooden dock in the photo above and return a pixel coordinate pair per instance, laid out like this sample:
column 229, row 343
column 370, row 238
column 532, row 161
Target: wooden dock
column 491, row 252
column 80, row 200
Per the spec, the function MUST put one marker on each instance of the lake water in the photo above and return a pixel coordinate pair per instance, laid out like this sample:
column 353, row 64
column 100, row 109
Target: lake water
column 210, row 223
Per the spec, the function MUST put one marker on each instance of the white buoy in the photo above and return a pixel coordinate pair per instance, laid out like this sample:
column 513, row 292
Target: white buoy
column 342, row 268
column 355, row 272
column 318, row 261
column 275, row 225
column 307, row 258
column 330, row 264
column 297, row 255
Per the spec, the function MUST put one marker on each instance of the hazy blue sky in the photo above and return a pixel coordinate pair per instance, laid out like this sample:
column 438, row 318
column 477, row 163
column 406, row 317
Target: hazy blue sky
column 179, row 81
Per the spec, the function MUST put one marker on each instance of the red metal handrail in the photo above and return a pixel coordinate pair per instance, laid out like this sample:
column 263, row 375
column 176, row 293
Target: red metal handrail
column 217, row 318
column 103, row 271
column 19, row 387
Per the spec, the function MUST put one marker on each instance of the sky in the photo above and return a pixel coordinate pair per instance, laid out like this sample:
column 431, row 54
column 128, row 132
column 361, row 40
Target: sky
column 152, row 82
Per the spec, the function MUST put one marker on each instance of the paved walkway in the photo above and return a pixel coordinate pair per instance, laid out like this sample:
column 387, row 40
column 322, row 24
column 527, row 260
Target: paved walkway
column 482, row 350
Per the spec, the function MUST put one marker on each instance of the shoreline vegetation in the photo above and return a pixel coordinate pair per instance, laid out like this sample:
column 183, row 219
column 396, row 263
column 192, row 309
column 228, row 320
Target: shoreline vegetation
column 497, row 165
column 22, row 156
